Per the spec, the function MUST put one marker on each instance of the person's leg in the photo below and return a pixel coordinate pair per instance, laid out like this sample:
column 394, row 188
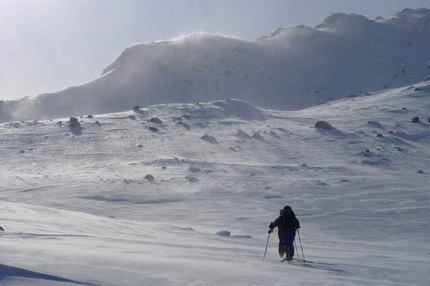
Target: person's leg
column 293, row 236
column 280, row 246
column 285, row 239
column 288, row 239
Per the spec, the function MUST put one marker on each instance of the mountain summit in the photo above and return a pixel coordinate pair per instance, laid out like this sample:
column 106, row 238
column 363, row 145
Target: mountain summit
column 288, row 69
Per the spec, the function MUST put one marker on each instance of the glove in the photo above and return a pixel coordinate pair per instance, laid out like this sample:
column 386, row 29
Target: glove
column 270, row 230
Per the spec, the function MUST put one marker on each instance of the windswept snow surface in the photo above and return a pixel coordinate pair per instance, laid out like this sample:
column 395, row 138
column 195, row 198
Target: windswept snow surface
column 112, row 201
column 290, row 69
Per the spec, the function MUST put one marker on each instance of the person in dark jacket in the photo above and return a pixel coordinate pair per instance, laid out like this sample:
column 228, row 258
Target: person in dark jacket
column 287, row 224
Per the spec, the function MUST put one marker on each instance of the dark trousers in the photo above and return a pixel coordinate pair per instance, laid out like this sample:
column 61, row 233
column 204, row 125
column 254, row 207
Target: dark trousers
column 286, row 242
column 280, row 246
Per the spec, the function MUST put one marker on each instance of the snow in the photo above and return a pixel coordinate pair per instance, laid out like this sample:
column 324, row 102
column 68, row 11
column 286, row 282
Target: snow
column 110, row 202
column 290, row 69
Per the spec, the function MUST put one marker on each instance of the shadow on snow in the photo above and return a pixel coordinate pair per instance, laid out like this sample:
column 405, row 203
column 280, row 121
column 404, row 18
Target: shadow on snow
column 7, row 271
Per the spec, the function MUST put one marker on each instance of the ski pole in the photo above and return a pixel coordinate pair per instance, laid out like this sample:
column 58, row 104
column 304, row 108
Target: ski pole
column 303, row 254
column 267, row 243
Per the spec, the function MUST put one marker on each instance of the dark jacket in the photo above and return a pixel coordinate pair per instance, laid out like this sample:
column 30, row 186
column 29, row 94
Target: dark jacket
column 286, row 223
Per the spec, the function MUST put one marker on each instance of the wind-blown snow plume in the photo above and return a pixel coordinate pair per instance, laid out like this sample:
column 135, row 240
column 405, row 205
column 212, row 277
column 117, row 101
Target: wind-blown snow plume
column 289, row 69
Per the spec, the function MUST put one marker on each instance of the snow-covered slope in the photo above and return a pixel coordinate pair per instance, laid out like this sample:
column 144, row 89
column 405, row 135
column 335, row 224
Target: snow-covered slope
column 289, row 69
column 137, row 198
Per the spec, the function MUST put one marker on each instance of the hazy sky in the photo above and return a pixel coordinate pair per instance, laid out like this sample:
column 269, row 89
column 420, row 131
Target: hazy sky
column 49, row 45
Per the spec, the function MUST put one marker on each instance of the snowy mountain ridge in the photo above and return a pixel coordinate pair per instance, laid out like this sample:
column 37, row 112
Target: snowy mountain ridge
column 289, row 69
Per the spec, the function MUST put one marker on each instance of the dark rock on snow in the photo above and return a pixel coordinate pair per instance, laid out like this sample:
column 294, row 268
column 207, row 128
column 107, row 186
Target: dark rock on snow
column 323, row 125
column 149, row 177
column 73, row 120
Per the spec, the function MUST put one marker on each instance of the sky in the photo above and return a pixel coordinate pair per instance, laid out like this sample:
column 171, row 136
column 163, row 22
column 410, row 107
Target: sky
column 49, row 45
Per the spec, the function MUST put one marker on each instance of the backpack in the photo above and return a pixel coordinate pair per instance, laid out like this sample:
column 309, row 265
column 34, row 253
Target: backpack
column 289, row 220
